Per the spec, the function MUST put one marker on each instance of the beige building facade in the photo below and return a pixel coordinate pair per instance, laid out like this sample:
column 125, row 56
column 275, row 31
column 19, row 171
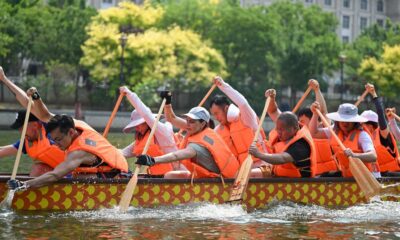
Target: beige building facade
column 353, row 15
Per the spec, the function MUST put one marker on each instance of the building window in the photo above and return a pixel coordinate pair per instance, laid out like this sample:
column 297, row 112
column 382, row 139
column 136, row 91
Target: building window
column 346, row 3
column 364, row 4
column 328, row 2
column 308, row 1
column 380, row 22
column 346, row 22
column 107, row 1
column 379, row 6
column 345, row 39
column 363, row 23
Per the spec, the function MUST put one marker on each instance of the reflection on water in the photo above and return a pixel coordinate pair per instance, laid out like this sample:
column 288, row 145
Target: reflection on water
column 376, row 220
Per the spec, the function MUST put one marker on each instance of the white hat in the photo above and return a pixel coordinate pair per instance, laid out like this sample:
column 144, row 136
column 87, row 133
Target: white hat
column 371, row 116
column 198, row 113
column 347, row 113
column 136, row 120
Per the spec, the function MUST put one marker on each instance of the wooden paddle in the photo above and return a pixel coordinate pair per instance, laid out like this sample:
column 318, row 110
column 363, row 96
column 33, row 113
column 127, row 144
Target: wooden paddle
column 7, row 201
column 361, row 98
column 242, row 179
column 365, row 180
column 130, row 188
column 114, row 112
column 298, row 105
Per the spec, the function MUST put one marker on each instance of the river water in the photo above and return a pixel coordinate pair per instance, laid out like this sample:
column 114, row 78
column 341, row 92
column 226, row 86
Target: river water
column 376, row 220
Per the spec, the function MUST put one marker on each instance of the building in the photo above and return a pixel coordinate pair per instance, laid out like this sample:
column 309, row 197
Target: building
column 353, row 15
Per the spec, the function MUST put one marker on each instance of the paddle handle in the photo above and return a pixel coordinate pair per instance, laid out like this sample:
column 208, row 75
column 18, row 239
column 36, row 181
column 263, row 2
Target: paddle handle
column 22, row 139
column 326, row 124
column 114, row 112
column 154, row 127
column 130, row 188
column 207, row 95
column 263, row 114
column 361, row 98
column 300, row 102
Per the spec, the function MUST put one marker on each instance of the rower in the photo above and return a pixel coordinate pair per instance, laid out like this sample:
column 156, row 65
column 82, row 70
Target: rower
column 237, row 124
column 87, row 153
column 384, row 141
column 348, row 128
column 292, row 149
column 37, row 145
column 163, row 142
column 206, row 154
column 326, row 166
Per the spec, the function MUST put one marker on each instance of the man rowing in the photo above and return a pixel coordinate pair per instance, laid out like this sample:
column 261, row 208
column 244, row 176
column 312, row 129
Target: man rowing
column 292, row 151
column 87, row 153
column 237, row 124
column 37, row 145
column 325, row 163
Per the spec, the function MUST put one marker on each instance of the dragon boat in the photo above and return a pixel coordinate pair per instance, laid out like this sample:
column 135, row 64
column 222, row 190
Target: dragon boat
column 92, row 194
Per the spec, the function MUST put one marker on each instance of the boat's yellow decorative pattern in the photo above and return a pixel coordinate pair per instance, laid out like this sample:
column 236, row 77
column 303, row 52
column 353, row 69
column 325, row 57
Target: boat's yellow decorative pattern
column 94, row 196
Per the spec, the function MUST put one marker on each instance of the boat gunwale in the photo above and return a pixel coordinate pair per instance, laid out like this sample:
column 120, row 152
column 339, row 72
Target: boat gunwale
column 142, row 180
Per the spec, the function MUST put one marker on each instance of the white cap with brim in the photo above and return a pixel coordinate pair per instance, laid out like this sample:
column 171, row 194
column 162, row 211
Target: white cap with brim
column 346, row 113
column 198, row 113
column 371, row 116
column 136, row 120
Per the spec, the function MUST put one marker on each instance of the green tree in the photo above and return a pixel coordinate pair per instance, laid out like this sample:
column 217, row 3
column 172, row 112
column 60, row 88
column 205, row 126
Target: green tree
column 280, row 45
column 153, row 56
column 383, row 71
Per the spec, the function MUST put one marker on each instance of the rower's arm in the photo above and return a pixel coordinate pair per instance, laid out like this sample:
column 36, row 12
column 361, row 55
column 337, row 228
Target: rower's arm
column 186, row 153
column 366, row 156
column 275, row 159
column 73, row 160
column 19, row 94
column 39, row 109
column 8, row 150
column 383, row 127
column 273, row 110
column 173, row 119
column 315, row 131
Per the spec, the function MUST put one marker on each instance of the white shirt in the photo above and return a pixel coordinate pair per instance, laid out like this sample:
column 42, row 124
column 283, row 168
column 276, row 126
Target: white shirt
column 164, row 135
column 243, row 109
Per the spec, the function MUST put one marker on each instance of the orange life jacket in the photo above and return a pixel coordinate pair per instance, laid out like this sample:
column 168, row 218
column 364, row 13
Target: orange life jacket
column 289, row 169
column 154, row 151
column 239, row 137
column 386, row 161
column 223, row 157
column 350, row 142
column 91, row 141
column 42, row 150
column 325, row 160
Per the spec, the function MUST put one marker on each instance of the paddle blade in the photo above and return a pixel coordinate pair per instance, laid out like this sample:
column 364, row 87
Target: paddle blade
column 367, row 182
column 128, row 192
column 240, row 184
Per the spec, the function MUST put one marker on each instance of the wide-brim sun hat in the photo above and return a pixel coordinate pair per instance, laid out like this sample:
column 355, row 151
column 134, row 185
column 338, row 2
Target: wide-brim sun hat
column 347, row 112
column 198, row 113
column 371, row 116
column 136, row 120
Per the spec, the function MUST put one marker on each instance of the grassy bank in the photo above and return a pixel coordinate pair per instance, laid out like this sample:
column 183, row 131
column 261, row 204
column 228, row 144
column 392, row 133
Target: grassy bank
column 119, row 140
